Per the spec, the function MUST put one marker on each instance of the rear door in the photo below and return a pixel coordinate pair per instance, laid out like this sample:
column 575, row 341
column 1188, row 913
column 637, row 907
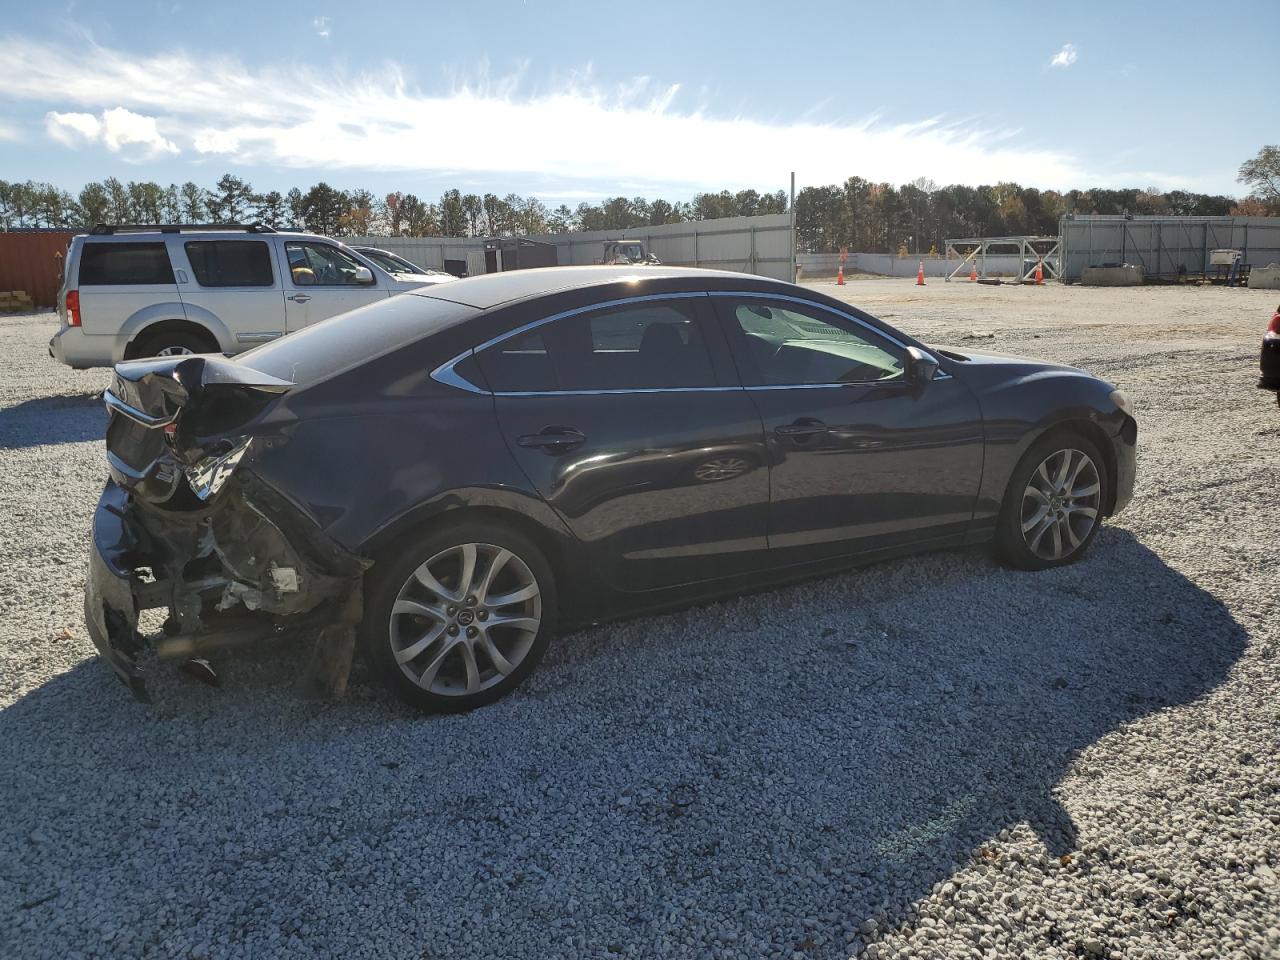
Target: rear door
column 118, row 277
column 320, row 281
column 629, row 420
column 862, row 459
column 235, row 281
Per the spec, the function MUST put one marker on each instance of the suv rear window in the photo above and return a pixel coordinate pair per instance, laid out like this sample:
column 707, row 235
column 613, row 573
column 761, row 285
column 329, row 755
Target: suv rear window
column 110, row 264
column 230, row 263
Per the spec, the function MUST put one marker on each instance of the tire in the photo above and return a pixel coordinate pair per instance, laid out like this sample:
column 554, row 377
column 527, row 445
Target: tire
column 176, row 342
column 1036, row 502
column 417, row 637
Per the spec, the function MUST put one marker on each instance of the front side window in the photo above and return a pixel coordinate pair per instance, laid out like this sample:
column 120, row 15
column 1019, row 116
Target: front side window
column 644, row 346
column 320, row 264
column 116, row 264
column 230, row 263
column 793, row 346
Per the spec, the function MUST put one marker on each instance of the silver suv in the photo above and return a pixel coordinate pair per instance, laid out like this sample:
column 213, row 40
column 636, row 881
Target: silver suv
column 149, row 291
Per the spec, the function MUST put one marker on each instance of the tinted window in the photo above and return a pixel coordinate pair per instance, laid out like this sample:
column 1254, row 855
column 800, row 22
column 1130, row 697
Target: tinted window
column 124, row 263
column 319, row 264
column 790, row 346
column 349, row 339
column 520, row 363
column 645, row 346
column 391, row 263
column 230, row 263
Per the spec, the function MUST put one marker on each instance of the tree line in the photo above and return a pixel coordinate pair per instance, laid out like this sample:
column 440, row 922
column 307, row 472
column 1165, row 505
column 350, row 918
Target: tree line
column 914, row 218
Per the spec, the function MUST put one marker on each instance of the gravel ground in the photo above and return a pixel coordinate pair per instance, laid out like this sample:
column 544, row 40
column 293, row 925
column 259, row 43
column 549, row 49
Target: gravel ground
column 929, row 758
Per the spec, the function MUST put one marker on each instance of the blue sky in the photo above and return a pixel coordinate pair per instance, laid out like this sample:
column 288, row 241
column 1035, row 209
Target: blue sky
column 576, row 101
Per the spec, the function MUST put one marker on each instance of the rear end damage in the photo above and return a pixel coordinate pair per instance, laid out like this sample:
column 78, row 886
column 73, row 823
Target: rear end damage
column 185, row 524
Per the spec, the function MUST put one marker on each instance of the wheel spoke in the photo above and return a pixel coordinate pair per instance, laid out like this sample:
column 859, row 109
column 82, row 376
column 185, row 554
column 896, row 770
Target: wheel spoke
column 1071, row 534
column 1037, row 535
column 1060, row 480
column 469, row 661
column 1056, row 527
column 428, row 676
column 418, row 646
column 468, row 570
column 428, row 580
column 1040, row 514
column 1088, row 491
column 1075, row 474
column 520, row 623
column 414, row 608
column 1083, row 512
column 527, row 592
column 501, row 663
column 499, row 561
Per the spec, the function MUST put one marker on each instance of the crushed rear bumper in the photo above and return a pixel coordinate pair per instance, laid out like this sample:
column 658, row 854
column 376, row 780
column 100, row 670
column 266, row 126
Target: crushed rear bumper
column 243, row 570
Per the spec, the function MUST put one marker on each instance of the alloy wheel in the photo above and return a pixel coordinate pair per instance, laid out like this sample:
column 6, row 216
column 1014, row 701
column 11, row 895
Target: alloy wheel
column 1060, row 504
column 175, row 351
column 465, row 619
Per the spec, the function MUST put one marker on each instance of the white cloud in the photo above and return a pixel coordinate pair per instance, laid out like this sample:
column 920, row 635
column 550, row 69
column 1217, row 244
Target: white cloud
column 1066, row 56
column 119, row 130
column 321, row 25
column 575, row 135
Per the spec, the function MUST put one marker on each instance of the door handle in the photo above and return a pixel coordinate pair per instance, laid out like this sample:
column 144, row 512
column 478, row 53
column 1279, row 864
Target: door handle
column 555, row 439
column 299, row 298
column 804, row 427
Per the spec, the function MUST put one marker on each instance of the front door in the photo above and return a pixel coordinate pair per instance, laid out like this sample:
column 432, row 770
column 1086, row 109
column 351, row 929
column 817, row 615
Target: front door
column 629, row 422
column 322, row 281
column 862, row 459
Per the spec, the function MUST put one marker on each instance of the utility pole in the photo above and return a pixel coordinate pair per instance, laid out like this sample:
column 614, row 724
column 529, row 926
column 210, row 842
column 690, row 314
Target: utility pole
column 793, row 226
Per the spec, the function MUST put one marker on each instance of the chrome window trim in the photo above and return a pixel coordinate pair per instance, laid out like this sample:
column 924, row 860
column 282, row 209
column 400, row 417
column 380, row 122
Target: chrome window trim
column 447, row 375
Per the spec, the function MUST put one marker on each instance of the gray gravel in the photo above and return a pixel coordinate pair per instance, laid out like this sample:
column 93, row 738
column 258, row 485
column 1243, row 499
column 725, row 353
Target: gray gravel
column 933, row 757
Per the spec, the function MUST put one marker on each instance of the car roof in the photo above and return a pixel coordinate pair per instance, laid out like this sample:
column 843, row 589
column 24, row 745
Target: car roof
column 491, row 289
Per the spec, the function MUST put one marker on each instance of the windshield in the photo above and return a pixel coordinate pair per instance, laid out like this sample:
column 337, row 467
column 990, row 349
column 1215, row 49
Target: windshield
column 392, row 263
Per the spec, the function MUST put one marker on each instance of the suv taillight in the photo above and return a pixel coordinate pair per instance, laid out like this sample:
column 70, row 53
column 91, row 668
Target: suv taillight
column 73, row 308
column 1273, row 328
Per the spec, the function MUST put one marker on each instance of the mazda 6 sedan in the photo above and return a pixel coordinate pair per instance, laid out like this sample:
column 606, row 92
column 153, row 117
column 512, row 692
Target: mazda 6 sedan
column 448, row 477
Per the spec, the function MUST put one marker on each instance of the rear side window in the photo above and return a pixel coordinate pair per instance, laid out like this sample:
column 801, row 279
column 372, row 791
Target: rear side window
column 230, row 263
column 646, row 346
column 114, row 264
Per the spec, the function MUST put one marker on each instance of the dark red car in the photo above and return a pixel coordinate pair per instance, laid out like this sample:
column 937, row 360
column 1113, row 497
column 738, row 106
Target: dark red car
column 1270, row 360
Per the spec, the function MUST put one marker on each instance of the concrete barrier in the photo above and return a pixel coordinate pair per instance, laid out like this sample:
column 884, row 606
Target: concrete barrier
column 1129, row 275
column 1265, row 278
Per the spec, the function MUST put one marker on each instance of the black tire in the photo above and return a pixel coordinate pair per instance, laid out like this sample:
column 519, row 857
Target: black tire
column 392, row 570
column 153, row 345
column 1011, row 545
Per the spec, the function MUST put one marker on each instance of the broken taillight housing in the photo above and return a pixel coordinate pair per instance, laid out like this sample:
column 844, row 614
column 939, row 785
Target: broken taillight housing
column 73, row 308
column 208, row 475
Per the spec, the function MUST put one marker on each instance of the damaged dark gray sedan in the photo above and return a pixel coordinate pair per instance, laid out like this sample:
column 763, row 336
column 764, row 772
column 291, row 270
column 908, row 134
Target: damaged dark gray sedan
column 448, row 477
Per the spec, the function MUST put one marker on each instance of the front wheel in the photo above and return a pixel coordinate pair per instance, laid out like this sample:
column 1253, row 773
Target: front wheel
column 457, row 617
column 1053, row 505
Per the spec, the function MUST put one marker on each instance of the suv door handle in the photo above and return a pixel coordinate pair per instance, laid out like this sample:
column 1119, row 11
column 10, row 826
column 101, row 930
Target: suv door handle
column 804, row 427
column 299, row 298
column 553, row 439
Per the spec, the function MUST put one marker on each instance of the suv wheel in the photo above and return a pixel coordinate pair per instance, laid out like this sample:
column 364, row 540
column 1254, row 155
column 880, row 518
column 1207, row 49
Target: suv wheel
column 179, row 343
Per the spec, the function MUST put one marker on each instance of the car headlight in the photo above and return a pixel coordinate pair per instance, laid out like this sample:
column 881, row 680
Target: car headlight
column 1121, row 400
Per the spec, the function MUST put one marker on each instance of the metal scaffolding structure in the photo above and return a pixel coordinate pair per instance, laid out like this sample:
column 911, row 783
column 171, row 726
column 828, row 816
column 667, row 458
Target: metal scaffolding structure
column 1030, row 250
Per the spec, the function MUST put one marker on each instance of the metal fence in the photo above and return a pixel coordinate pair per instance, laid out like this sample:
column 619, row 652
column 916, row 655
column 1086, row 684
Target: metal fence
column 759, row 245
column 1165, row 246
column 815, row 265
column 31, row 260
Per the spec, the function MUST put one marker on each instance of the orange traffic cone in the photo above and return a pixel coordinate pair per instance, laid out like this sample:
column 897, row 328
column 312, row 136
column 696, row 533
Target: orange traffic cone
column 973, row 271
column 1039, row 273
column 920, row 275
column 840, row 276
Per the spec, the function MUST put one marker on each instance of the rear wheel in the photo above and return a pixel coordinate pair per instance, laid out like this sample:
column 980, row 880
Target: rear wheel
column 456, row 618
column 1053, row 505
column 177, row 343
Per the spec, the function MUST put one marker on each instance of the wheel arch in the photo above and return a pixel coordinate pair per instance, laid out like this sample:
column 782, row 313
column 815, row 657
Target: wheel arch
column 171, row 325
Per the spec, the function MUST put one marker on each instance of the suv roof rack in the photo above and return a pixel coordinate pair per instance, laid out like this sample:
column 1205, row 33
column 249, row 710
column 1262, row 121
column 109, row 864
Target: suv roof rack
column 103, row 229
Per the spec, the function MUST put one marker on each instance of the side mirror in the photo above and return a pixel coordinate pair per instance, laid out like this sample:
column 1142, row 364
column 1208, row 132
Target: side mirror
column 364, row 275
column 921, row 366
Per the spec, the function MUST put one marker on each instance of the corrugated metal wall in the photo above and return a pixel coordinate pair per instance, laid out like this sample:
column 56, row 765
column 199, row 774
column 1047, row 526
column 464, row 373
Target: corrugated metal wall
column 32, row 261
column 759, row 245
column 814, row 265
column 1165, row 246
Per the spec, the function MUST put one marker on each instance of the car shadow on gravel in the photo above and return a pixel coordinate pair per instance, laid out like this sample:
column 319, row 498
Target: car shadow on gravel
column 746, row 779
column 44, row 421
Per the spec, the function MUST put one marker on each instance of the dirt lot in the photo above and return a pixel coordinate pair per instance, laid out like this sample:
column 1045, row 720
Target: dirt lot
column 932, row 757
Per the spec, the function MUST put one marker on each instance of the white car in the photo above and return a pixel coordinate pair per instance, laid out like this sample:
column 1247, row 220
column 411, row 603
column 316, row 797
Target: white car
column 131, row 292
